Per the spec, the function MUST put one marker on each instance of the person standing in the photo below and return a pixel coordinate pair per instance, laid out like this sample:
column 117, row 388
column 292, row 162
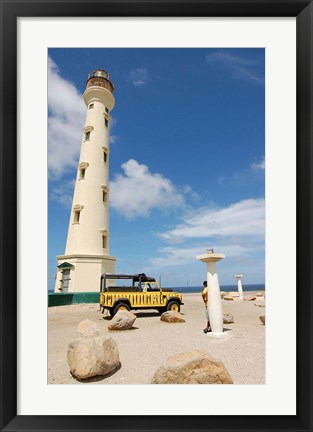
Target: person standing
column 206, row 309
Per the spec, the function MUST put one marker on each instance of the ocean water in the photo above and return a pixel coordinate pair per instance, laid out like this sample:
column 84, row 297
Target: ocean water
column 227, row 288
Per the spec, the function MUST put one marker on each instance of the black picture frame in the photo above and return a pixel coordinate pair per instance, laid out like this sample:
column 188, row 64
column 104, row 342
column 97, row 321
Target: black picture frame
column 10, row 11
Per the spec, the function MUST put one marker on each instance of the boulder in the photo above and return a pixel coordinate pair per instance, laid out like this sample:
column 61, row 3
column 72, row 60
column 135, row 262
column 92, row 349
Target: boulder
column 123, row 320
column 260, row 294
column 193, row 367
column 92, row 355
column 234, row 294
column 249, row 298
column 228, row 319
column 87, row 328
column 262, row 319
column 228, row 297
column 172, row 317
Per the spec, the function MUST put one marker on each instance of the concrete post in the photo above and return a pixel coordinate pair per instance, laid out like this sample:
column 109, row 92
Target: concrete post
column 240, row 291
column 214, row 295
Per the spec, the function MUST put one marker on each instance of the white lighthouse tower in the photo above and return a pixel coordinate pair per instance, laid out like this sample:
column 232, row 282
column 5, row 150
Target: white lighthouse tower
column 87, row 249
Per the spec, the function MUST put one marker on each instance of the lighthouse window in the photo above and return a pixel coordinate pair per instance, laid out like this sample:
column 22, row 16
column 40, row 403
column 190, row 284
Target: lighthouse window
column 76, row 216
column 104, row 241
column 91, row 106
column 105, row 156
column 106, row 122
column 87, row 136
column 82, row 168
column 104, row 196
column 106, row 110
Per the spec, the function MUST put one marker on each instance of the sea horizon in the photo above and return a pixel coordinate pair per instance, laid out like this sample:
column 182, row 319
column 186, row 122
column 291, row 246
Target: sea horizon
column 227, row 288
column 198, row 289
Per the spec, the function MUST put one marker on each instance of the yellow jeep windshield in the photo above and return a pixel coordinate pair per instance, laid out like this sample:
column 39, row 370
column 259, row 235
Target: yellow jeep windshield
column 151, row 286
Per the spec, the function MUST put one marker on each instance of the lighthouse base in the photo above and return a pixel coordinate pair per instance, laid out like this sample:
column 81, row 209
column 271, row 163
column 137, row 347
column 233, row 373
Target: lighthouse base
column 82, row 273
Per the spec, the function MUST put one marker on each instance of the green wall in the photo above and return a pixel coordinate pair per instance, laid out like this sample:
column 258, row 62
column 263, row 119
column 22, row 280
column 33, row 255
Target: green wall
column 62, row 299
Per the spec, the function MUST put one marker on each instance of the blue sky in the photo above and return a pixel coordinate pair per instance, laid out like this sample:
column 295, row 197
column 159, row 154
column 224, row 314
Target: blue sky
column 187, row 170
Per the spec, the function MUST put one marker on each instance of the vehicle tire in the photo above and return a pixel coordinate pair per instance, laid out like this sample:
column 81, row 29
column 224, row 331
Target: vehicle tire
column 119, row 307
column 161, row 310
column 173, row 306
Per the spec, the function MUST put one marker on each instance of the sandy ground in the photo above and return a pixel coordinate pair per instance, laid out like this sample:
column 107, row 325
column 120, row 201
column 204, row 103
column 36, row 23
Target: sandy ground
column 144, row 348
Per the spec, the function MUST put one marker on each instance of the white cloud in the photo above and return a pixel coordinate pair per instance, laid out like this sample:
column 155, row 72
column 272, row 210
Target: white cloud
column 173, row 256
column 244, row 74
column 253, row 173
column 239, row 66
column 65, row 128
column 113, row 138
column 140, row 76
column 187, row 189
column 245, row 218
column 62, row 193
column 227, row 58
column 136, row 192
column 236, row 231
column 258, row 166
column 65, row 123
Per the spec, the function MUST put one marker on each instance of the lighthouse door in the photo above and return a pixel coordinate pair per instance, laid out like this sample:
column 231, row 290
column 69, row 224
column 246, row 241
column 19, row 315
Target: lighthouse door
column 65, row 279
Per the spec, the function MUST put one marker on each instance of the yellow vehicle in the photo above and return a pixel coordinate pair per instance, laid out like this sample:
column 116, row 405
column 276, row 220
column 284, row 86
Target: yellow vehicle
column 144, row 293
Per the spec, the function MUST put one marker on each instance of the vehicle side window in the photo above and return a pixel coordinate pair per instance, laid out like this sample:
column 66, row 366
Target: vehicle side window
column 153, row 288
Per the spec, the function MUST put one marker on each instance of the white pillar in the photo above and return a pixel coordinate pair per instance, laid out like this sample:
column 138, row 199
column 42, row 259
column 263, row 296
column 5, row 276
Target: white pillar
column 214, row 299
column 214, row 295
column 240, row 291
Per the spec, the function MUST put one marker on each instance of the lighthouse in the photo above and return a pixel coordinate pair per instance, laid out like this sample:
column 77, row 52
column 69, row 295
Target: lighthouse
column 87, row 253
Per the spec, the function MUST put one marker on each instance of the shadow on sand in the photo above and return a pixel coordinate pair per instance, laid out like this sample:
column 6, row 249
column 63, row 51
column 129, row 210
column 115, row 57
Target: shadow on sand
column 99, row 377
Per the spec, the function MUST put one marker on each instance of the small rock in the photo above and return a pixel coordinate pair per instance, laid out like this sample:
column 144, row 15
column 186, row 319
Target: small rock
column 87, row 328
column 249, row 298
column 262, row 319
column 260, row 294
column 193, row 367
column 228, row 297
column 172, row 317
column 228, row 319
column 123, row 320
column 223, row 293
